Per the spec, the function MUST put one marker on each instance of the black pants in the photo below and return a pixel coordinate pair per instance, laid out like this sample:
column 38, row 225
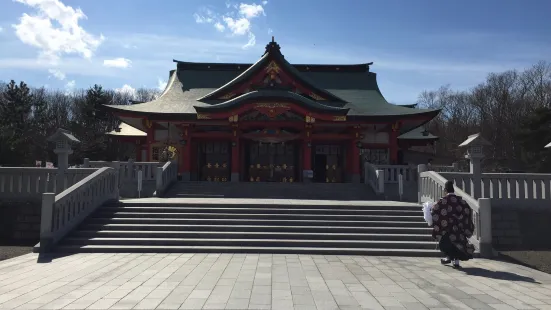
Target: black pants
column 450, row 250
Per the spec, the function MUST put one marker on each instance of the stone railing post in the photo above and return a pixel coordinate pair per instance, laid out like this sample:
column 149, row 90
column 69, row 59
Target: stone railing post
column 86, row 163
column 46, row 222
column 159, row 181
column 420, row 169
column 131, row 173
column 381, row 181
column 485, row 229
column 117, row 166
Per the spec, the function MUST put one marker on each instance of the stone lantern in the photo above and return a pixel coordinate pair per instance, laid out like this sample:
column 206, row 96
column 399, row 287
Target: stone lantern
column 63, row 140
column 475, row 152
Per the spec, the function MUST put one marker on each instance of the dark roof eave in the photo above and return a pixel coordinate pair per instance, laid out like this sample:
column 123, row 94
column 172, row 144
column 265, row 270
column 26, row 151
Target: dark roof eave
column 269, row 94
column 212, row 66
column 430, row 113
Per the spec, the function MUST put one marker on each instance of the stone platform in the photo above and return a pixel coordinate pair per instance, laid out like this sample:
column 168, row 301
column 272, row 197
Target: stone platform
column 252, row 281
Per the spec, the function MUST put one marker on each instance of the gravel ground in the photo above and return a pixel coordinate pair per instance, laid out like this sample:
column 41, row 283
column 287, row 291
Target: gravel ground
column 7, row 251
column 540, row 260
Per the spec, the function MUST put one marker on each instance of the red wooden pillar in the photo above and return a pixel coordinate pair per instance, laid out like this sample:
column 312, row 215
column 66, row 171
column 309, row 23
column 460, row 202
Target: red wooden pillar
column 150, row 130
column 393, row 143
column 354, row 161
column 185, row 168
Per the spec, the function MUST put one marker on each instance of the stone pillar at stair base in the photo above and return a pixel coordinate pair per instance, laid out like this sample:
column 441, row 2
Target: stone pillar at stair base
column 420, row 169
column 186, row 176
column 235, row 177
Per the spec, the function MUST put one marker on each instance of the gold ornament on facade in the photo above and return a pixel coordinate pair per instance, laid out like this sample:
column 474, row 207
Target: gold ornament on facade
column 334, row 167
column 339, row 118
column 258, row 166
column 252, row 179
column 148, row 123
column 216, row 165
column 203, row 116
column 326, row 167
column 233, row 118
column 209, row 165
column 285, row 166
column 291, row 179
column 209, row 179
column 284, row 180
column 227, row 96
column 257, row 179
column 272, row 67
column 310, row 120
column 316, row 97
column 224, row 165
column 326, row 180
column 271, row 105
column 395, row 127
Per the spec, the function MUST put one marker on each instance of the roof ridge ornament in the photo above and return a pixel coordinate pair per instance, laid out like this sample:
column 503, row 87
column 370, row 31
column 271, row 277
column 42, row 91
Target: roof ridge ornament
column 272, row 47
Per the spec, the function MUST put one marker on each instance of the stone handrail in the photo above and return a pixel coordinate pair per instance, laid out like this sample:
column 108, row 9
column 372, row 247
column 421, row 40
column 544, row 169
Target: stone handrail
column 409, row 173
column 431, row 188
column 374, row 178
column 166, row 175
column 128, row 170
column 520, row 190
column 63, row 212
column 442, row 168
column 30, row 183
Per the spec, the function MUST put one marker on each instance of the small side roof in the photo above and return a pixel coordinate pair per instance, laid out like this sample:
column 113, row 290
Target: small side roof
column 126, row 130
column 475, row 139
column 63, row 134
column 418, row 133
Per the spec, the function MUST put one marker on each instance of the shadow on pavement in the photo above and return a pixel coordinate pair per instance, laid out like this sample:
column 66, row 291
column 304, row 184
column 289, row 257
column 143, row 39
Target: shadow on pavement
column 500, row 275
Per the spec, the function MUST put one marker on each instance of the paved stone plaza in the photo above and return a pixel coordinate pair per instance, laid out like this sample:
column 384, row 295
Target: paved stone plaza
column 249, row 281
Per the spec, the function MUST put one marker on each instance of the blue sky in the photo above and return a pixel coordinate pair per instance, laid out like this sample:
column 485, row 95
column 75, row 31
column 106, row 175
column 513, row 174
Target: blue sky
column 126, row 44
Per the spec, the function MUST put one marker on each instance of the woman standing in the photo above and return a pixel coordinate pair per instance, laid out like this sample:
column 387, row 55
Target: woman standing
column 453, row 226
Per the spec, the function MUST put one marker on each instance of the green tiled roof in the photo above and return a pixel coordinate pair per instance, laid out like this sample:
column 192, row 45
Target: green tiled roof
column 352, row 87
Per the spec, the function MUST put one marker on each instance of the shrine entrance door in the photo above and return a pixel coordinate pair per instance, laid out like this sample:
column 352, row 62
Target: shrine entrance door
column 214, row 161
column 328, row 162
column 271, row 162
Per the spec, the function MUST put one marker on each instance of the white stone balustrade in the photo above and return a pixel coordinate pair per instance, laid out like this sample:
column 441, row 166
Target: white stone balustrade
column 510, row 190
column 431, row 188
column 409, row 173
column 374, row 178
column 30, row 183
column 166, row 175
column 128, row 170
column 63, row 212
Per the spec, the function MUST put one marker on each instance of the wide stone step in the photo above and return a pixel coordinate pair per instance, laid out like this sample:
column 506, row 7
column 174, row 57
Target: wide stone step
column 288, row 216
column 241, row 249
column 270, row 209
column 286, row 222
column 250, row 235
column 260, row 228
column 267, row 203
column 253, row 242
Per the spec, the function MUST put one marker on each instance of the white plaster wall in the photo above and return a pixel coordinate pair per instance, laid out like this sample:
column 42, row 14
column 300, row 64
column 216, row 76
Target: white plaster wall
column 376, row 137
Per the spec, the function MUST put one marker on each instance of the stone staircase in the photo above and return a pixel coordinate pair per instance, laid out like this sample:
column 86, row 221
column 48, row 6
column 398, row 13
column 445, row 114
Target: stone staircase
column 254, row 226
column 262, row 190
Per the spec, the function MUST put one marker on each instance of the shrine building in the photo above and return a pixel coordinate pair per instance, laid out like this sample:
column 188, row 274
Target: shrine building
column 272, row 121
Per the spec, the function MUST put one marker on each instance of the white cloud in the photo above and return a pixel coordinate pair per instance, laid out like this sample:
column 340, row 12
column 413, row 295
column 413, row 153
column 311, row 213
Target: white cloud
column 237, row 21
column 1, row 29
column 129, row 46
column 127, row 90
column 70, row 85
column 270, row 31
column 117, row 63
column 161, row 84
column 250, row 10
column 57, row 74
column 264, row 2
column 240, row 26
column 219, row 27
column 55, row 30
